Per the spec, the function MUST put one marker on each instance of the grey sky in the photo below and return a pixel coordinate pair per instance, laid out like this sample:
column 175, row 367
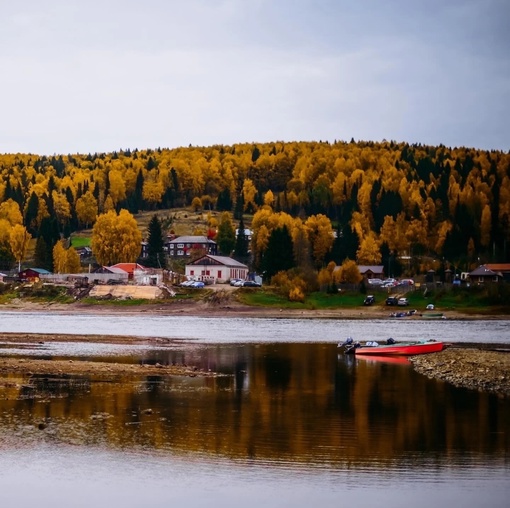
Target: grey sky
column 92, row 76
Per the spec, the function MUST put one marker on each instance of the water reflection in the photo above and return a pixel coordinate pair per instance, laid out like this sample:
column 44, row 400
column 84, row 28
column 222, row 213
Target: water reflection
column 280, row 404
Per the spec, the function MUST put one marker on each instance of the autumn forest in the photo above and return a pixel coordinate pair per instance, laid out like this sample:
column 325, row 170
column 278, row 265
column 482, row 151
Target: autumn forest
column 375, row 201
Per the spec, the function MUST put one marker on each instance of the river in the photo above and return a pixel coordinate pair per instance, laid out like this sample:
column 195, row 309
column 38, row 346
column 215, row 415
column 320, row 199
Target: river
column 291, row 422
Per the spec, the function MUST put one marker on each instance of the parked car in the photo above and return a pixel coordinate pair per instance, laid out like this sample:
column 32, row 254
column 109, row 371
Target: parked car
column 391, row 300
column 402, row 302
column 374, row 282
column 406, row 282
column 233, row 282
column 197, row 284
column 186, row 283
column 369, row 300
column 250, row 284
column 430, row 306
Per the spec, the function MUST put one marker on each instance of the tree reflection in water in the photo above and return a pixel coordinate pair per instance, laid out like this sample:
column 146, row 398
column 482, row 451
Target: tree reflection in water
column 302, row 403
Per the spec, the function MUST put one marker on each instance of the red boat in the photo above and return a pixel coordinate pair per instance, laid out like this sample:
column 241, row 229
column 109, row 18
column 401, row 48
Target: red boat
column 402, row 348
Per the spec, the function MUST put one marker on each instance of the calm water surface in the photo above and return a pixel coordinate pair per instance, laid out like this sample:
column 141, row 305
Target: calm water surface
column 291, row 422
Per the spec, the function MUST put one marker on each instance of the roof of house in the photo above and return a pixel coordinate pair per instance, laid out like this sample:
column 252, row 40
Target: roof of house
column 482, row 271
column 114, row 269
column 223, row 260
column 498, row 267
column 40, row 271
column 370, row 268
column 128, row 267
column 191, row 239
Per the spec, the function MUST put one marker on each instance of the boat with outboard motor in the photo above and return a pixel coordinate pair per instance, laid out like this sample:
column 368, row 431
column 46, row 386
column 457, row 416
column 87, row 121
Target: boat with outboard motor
column 391, row 347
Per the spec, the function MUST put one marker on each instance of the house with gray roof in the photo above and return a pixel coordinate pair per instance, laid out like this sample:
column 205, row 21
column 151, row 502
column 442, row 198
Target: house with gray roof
column 484, row 275
column 216, row 269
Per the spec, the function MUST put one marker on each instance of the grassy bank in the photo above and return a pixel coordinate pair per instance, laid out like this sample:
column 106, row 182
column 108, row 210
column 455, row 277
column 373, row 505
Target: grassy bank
column 466, row 300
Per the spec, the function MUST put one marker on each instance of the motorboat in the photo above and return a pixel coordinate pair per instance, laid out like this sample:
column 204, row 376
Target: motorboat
column 391, row 347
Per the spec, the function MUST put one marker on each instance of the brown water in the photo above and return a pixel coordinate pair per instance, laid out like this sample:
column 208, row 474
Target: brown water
column 289, row 424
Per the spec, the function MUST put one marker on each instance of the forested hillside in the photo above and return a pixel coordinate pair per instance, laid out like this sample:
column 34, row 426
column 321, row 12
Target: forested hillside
column 384, row 199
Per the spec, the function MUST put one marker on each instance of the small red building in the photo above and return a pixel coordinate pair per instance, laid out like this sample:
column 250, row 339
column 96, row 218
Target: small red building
column 32, row 274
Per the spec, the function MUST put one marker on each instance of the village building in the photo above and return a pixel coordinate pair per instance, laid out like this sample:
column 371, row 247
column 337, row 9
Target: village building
column 484, row 275
column 33, row 274
column 502, row 269
column 371, row 271
column 216, row 269
column 182, row 246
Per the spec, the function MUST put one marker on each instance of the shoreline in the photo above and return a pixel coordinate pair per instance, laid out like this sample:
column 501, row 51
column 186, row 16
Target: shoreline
column 230, row 309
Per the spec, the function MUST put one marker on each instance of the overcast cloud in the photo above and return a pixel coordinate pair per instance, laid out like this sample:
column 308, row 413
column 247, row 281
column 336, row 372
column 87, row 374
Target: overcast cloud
column 96, row 76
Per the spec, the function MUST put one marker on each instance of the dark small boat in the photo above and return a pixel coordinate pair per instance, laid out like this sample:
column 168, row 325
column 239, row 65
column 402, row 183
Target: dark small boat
column 402, row 314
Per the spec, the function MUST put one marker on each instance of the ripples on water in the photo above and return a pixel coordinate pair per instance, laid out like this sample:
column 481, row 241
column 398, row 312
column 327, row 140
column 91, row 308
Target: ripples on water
column 47, row 477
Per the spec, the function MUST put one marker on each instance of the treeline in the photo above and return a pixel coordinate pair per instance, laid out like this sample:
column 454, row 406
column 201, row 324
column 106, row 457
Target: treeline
column 383, row 199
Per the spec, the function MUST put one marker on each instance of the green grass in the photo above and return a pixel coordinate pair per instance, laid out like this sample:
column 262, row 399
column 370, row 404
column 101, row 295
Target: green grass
column 8, row 297
column 80, row 241
column 468, row 300
column 271, row 298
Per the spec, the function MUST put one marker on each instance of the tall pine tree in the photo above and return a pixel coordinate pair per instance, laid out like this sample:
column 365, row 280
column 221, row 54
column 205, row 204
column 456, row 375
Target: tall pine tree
column 156, row 247
column 241, row 246
column 279, row 254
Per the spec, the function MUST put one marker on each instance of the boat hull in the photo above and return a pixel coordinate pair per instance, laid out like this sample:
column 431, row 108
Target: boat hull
column 410, row 349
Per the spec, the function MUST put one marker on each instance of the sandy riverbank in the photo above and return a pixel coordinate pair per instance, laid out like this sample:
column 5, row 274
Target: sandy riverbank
column 97, row 370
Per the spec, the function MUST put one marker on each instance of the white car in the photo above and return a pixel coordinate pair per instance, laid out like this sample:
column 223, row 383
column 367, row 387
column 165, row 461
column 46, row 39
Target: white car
column 430, row 306
column 402, row 302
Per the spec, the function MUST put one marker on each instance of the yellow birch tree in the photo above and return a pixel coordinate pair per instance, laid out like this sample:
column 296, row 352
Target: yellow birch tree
column 116, row 238
column 18, row 241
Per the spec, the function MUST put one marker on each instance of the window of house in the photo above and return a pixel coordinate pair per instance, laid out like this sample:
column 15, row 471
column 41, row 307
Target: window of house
column 180, row 253
column 219, row 274
column 192, row 272
column 180, row 246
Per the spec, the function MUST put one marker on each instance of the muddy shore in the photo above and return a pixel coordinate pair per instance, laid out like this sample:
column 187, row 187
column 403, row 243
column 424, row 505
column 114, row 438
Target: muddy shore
column 473, row 368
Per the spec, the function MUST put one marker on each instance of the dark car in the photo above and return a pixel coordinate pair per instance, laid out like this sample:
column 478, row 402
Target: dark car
column 250, row 284
column 369, row 300
column 392, row 300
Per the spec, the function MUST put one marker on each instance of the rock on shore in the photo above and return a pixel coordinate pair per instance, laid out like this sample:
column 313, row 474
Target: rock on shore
column 478, row 369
